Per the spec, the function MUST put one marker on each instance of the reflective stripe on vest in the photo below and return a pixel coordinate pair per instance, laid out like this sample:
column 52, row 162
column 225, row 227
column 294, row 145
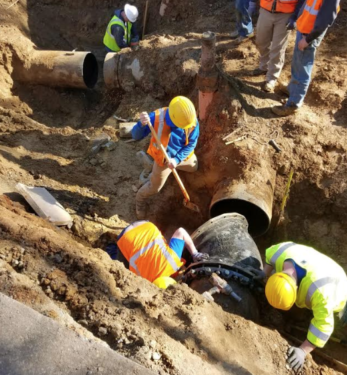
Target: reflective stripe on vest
column 315, row 286
column 282, row 6
column 280, row 251
column 134, row 225
column 306, row 21
column 318, row 333
column 160, row 128
column 163, row 250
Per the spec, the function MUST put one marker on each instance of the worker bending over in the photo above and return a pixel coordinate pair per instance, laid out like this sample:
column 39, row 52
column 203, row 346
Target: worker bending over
column 311, row 280
column 121, row 31
column 148, row 254
column 178, row 130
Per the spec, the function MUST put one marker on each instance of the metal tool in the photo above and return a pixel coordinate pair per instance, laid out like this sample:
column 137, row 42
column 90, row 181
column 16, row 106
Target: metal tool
column 236, row 140
column 220, row 286
column 187, row 203
column 273, row 143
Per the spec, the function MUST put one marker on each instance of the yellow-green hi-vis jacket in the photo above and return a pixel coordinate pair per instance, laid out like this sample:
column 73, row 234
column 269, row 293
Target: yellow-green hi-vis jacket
column 323, row 290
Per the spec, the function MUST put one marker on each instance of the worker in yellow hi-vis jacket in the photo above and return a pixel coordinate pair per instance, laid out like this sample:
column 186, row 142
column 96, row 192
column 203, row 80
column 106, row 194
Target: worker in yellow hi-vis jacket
column 311, row 280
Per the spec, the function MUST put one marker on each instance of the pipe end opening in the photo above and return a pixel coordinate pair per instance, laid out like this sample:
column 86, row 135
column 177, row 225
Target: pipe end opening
column 90, row 70
column 258, row 220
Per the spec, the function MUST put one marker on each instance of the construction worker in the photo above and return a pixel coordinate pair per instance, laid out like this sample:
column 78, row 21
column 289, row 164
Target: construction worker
column 244, row 26
column 148, row 255
column 276, row 20
column 315, row 18
column 311, row 280
column 121, row 31
column 178, row 129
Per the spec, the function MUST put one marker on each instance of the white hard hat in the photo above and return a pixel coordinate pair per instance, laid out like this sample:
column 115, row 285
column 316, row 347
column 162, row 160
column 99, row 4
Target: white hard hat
column 131, row 12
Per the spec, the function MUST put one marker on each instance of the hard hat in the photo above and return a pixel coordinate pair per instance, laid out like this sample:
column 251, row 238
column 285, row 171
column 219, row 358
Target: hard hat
column 182, row 112
column 280, row 291
column 164, row 281
column 131, row 12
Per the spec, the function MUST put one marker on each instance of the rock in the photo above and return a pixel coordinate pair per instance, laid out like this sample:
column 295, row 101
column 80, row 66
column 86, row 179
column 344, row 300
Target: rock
column 102, row 331
column 134, row 188
column 83, row 322
column 156, row 356
column 153, row 344
column 58, row 258
column 93, row 161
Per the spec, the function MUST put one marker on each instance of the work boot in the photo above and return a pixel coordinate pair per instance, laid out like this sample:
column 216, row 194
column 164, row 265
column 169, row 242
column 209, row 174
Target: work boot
column 242, row 39
column 140, row 210
column 259, row 72
column 269, row 86
column 284, row 110
column 234, row 34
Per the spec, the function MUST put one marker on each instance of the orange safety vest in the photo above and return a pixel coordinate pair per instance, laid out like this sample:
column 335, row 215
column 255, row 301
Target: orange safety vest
column 147, row 252
column 306, row 21
column 282, row 6
column 164, row 132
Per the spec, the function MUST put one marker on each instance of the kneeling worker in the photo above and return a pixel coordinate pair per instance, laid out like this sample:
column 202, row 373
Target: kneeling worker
column 178, row 130
column 311, row 280
column 121, row 31
column 148, row 254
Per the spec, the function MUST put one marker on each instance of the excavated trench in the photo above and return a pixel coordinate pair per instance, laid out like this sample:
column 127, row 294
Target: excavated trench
column 239, row 187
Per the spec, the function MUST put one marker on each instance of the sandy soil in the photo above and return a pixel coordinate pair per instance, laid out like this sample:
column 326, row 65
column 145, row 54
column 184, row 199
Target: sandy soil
column 45, row 140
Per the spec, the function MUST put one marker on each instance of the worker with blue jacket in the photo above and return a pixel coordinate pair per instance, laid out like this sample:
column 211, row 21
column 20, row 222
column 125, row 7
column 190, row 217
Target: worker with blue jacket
column 121, row 31
column 178, row 130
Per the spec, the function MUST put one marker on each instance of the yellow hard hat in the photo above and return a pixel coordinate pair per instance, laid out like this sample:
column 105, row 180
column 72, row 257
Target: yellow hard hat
column 164, row 281
column 182, row 112
column 280, row 291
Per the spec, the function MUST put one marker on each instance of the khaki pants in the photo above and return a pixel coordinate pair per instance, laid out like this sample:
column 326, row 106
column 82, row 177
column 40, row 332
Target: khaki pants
column 272, row 40
column 159, row 176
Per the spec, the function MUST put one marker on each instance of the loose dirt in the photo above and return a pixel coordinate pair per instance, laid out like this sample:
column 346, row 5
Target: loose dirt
column 45, row 140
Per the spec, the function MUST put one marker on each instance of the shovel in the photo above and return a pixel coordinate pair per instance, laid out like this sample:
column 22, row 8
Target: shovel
column 187, row 203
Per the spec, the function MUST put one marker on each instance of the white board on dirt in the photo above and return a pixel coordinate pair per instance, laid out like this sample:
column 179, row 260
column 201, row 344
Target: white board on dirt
column 45, row 205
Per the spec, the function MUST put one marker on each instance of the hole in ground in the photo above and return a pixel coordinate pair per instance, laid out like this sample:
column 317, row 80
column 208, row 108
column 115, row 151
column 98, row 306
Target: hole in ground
column 258, row 220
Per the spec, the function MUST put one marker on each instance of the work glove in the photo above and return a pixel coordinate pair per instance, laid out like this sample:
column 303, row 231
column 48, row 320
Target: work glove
column 171, row 163
column 144, row 118
column 291, row 24
column 198, row 257
column 296, row 358
column 252, row 8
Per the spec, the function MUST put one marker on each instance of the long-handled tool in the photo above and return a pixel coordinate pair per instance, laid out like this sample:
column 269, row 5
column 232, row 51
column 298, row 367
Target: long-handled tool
column 187, row 203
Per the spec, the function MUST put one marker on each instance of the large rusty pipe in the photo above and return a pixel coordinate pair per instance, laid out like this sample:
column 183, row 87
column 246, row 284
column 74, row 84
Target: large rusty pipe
column 249, row 194
column 207, row 76
column 126, row 70
column 59, row 68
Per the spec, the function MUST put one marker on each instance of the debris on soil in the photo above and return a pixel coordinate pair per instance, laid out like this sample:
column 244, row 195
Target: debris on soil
column 46, row 140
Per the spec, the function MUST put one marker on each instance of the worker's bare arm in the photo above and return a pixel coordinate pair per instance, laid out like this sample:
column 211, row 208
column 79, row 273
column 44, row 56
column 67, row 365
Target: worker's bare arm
column 182, row 234
column 307, row 347
column 267, row 270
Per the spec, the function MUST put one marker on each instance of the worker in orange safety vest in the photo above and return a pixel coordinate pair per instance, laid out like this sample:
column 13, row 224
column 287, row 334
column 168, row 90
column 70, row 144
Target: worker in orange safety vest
column 147, row 253
column 314, row 20
column 177, row 127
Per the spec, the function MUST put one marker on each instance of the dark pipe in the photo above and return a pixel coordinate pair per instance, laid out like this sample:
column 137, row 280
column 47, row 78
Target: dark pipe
column 59, row 69
column 225, row 239
column 231, row 249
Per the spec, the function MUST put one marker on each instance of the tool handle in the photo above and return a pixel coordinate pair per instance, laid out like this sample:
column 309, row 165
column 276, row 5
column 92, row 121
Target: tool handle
column 177, row 177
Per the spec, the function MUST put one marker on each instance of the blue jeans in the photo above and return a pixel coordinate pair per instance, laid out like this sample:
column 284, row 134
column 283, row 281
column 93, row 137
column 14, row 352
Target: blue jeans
column 244, row 24
column 302, row 65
